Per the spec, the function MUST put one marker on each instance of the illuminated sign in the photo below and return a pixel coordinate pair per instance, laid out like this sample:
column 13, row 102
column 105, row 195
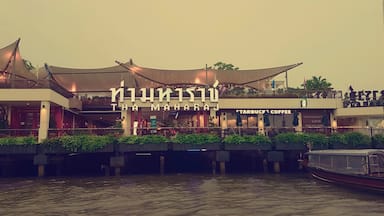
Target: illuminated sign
column 195, row 98
column 364, row 98
column 262, row 111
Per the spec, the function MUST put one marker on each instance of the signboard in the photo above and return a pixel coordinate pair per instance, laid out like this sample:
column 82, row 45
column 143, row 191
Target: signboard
column 153, row 123
column 160, row 98
column 262, row 111
column 364, row 98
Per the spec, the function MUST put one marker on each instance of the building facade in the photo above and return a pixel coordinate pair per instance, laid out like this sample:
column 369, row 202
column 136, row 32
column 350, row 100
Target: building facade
column 52, row 100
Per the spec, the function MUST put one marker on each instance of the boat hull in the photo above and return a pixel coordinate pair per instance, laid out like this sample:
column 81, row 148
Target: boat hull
column 351, row 180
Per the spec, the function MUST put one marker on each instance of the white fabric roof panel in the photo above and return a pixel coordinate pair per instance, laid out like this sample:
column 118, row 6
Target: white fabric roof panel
column 103, row 79
column 12, row 63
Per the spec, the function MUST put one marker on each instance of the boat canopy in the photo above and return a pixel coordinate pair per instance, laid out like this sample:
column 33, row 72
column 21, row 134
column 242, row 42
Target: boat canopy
column 350, row 152
column 359, row 161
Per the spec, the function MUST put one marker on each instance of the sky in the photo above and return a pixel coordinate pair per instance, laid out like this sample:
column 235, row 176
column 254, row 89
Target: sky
column 342, row 41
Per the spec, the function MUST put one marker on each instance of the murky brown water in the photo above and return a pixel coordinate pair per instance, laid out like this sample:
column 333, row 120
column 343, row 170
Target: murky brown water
column 186, row 194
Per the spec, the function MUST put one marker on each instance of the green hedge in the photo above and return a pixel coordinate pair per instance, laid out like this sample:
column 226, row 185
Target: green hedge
column 248, row 139
column 349, row 140
column 92, row 143
column 317, row 141
column 378, row 141
column 291, row 138
column 196, row 139
column 148, row 139
column 86, row 143
column 28, row 140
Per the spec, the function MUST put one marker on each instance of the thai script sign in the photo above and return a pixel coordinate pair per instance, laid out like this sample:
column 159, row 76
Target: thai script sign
column 195, row 98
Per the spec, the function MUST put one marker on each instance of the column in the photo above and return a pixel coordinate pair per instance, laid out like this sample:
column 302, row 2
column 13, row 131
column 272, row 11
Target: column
column 260, row 124
column 59, row 117
column 333, row 122
column 223, row 123
column 299, row 127
column 162, row 162
column 45, row 108
column 126, row 122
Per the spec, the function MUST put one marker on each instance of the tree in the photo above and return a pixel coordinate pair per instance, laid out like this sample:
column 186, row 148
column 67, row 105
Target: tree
column 236, row 90
column 319, row 85
column 28, row 64
column 224, row 66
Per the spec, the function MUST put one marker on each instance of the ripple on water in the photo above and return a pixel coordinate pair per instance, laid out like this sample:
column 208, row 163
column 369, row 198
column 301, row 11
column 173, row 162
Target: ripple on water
column 259, row 194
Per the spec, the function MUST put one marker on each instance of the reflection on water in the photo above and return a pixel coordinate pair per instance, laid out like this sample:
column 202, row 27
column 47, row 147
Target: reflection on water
column 259, row 194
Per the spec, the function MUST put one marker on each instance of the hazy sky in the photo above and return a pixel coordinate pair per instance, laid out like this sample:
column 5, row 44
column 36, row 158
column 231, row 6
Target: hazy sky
column 340, row 40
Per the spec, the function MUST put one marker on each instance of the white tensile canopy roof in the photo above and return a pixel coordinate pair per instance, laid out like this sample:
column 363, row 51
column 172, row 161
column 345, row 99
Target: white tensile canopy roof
column 102, row 79
column 12, row 68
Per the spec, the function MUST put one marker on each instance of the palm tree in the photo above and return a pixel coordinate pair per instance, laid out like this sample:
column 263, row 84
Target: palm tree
column 317, row 84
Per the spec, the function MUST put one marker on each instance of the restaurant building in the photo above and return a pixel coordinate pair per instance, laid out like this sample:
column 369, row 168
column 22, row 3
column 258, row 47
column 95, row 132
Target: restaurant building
column 54, row 100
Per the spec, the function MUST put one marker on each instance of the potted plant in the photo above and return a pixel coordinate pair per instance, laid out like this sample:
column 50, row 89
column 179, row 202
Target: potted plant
column 290, row 141
column 249, row 142
column 202, row 141
column 18, row 145
column 143, row 143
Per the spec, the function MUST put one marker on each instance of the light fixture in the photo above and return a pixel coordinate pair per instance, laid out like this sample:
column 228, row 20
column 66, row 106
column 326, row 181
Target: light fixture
column 334, row 124
column 303, row 102
column 216, row 83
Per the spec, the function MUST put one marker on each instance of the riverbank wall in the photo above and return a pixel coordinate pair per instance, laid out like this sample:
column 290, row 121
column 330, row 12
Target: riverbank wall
column 167, row 158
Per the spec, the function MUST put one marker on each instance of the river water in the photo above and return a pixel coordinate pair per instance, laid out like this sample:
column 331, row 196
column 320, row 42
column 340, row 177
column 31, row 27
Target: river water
column 184, row 194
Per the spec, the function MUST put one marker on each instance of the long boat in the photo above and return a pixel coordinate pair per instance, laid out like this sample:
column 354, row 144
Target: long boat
column 357, row 168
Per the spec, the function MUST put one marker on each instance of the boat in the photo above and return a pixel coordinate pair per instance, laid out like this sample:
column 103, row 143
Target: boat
column 357, row 168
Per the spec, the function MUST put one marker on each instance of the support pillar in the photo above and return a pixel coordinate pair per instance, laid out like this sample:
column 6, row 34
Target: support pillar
column 126, row 118
column 214, row 167
column 206, row 119
column 333, row 123
column 162, row 162
column 260, row 124
column 265, row 165
column 222, row 167
column 59, row 120
column 276, row 157
column 117, row 162
column 106, row 170
column 299, row 127
column 117, row 171
column 223, row 123
column 222, row 157
column 40, row 160
column 40, row 170
column 276, row 167
column 45, row 108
